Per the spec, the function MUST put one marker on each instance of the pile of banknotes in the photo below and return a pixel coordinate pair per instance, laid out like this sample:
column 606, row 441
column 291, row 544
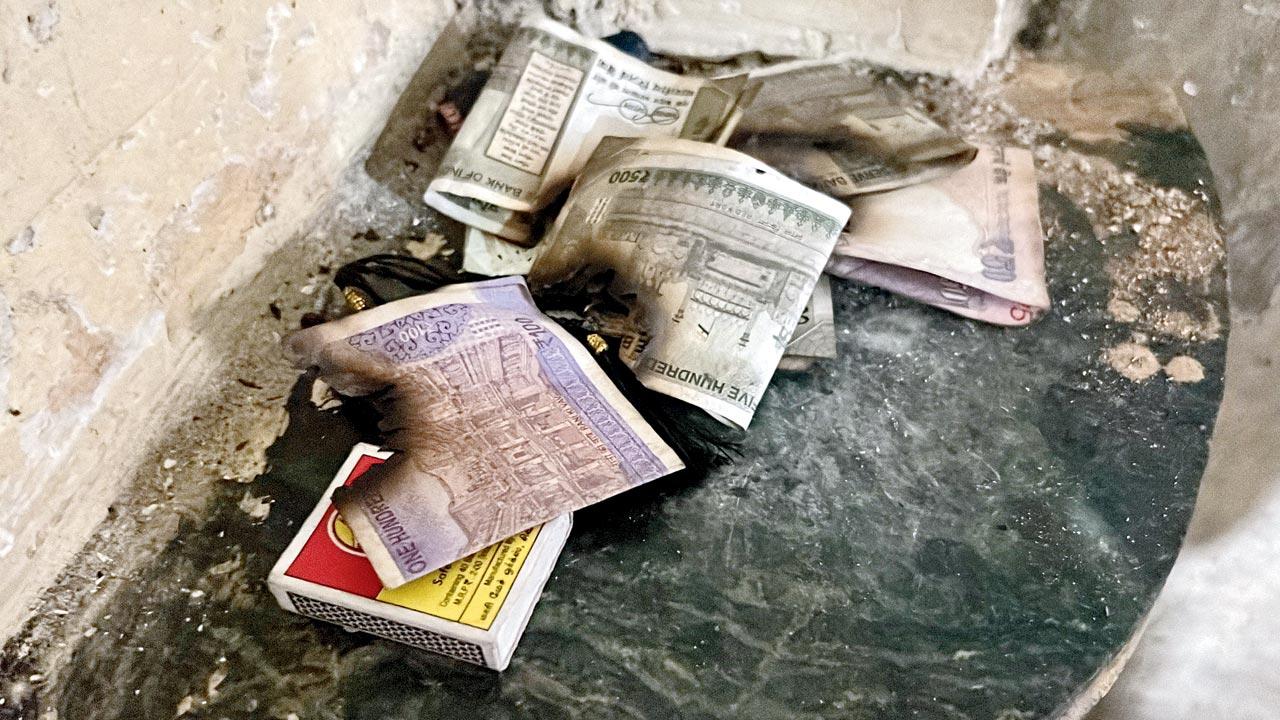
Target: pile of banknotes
column 713, row 212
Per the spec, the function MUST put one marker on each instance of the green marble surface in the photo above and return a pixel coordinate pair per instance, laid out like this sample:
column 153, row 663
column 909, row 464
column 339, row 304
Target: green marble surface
column 951, row 520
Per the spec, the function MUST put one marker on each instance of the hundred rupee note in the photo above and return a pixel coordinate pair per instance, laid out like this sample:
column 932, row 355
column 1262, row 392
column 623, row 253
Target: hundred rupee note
column 714, row 253
column 835, row 129
column 503, row 420
column 970, row 243
column 551, row 99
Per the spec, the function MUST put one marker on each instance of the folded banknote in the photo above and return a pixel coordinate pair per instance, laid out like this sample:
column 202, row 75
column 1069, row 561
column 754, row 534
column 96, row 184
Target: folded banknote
column 552, row 97
column 833, row 127
column 714, row 253
column 815, row 334
column 485, row 254
column 510, row 225
column 970, row 242
column 503, row 421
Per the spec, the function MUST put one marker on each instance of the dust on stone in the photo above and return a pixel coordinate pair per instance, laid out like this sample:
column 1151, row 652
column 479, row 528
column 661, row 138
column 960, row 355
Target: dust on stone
column 1159, row 285
column 1132, row 360
column 1178, row 243
column 1184, row 369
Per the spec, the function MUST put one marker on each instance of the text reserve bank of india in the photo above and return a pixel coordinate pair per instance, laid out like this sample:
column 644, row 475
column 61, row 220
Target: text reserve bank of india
column 550, row 100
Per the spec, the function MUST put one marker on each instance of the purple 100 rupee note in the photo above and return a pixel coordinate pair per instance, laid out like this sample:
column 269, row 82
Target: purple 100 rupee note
column 503, row 420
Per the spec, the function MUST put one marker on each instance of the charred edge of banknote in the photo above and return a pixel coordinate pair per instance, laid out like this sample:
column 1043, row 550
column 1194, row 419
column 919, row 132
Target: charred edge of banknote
column 699, row 439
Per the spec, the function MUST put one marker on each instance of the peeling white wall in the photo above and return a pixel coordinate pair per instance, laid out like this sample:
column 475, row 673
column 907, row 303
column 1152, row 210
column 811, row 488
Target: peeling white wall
column 153, row 154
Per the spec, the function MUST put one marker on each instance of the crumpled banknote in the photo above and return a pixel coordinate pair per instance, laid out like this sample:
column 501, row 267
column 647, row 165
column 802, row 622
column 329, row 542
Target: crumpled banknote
column 970, row 242
column 502, row 419
column 715, row 254
column 550, row 100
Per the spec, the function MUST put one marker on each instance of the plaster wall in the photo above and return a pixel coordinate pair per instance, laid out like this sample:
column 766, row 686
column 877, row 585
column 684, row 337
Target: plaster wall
column 154, row 153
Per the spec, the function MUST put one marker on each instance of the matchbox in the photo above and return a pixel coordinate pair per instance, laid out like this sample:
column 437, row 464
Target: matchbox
column 474, row 609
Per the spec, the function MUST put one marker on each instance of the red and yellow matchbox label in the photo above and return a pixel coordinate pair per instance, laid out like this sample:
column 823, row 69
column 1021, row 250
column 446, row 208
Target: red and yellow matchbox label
column 469, row 591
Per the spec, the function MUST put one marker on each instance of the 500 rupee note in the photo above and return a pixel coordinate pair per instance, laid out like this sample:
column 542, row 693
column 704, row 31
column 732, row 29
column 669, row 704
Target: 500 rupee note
column 715, row 254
